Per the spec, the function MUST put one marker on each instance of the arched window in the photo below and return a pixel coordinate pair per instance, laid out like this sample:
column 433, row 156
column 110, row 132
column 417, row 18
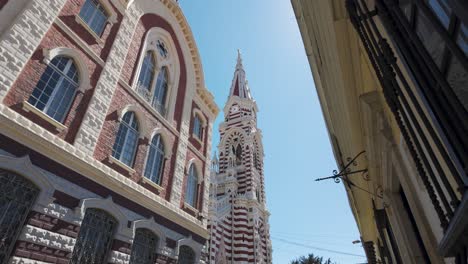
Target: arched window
column 154, row 164
column 95, row 16
column 144, row 247
column 146, row 75
column 186, row 255
column 191, row 189
column 17, row 195
column 95, row 237
column 160, row 91
column 127, row 138
column 56, row 89
column 198, row 127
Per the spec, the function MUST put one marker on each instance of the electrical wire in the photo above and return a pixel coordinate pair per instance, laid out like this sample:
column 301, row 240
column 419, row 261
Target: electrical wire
column 317, row 248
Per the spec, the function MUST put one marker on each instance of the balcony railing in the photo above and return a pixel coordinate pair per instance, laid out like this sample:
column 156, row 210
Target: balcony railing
column 430, row 114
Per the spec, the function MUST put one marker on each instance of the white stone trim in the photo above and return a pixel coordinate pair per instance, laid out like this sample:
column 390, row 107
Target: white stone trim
column 116, row 257
column 18, row 43
column 84, row 76
column 27, row 107
column 196, row 247
column 171, row 62
column 47, row 238
column 154, row 227
column 79, row 41
column 197, row 112
column 150, row 182
column 142, row 124
column 165, row 139
column 198, row 167
column 24, row 167
column 18, row 260
column 123, row 232
column 121, row 164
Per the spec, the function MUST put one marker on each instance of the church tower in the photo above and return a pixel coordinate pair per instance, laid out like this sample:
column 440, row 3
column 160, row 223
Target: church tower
column 238, row 217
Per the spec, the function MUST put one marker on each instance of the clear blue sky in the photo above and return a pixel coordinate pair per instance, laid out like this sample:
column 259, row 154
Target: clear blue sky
column 297, row 148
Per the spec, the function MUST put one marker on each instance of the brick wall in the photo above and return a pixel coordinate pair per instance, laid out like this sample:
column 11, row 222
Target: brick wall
column 31, row 74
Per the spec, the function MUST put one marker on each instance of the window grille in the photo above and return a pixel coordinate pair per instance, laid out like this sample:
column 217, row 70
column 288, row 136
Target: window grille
column 186, row 255
column 17, row 195
column 191, row 189
column 56, row 89
column 154, row 164
column 95, row 238
column 144, row 247
column 126, row 141
column 94, row 14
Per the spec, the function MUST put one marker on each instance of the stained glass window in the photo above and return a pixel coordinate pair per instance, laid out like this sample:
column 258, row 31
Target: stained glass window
column 56, row 89
column 95, row 238
column 17, row 195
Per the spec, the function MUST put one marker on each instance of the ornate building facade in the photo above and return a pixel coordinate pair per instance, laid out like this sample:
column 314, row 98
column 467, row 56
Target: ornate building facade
column 238, row 217
column 105, row 131
column 392, row 79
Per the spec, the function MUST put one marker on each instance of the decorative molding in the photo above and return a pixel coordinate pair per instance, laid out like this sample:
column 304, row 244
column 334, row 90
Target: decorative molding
column 143, row 129
column 84, row 76
column 121, row 164
column 30, row 108
column 151, row 225
column 79, row 41
column 24, row 167
column 192, row 244
column 123, row 232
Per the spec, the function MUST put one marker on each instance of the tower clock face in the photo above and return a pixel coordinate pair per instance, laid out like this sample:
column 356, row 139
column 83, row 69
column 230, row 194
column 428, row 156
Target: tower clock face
column 235, row 109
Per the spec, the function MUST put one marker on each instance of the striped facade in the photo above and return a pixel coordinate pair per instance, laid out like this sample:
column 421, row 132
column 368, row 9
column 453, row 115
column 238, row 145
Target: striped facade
column 238, row 218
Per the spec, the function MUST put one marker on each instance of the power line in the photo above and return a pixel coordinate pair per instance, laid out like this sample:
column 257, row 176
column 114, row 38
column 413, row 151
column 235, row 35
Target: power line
column 317, row 248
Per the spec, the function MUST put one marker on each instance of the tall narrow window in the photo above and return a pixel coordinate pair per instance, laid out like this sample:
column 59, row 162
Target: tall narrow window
column 160, row 91
column 17, row 195
column 95, row 237
column 144, row 247
column 191, row 189
column 56, row 89
column 127, row 138
column 198, row 127
column 154, row 164
column 94, row 14
column 146, row 76
column 186, row 255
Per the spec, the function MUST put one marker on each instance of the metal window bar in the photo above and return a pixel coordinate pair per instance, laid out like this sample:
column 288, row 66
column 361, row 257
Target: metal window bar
column 392, row 81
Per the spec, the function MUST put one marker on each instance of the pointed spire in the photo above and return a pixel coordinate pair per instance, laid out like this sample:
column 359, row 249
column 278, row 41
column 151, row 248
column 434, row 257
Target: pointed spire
column 239, row 85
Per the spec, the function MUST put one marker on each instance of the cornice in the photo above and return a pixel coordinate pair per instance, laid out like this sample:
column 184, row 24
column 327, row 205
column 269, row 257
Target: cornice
column 35, row 137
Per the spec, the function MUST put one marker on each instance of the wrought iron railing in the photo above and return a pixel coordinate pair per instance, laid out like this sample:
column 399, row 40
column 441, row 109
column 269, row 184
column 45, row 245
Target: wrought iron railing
column 431, row 117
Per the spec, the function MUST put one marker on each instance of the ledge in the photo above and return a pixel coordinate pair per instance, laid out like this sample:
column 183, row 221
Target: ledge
column 30, row 108
column 121, row 164
column 153, row 184
column 80, row 21
column 191, row 208
column 456, row 230
column 197, row 139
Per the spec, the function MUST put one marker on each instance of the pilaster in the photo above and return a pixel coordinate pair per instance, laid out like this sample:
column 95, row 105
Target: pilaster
column 18, row 43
